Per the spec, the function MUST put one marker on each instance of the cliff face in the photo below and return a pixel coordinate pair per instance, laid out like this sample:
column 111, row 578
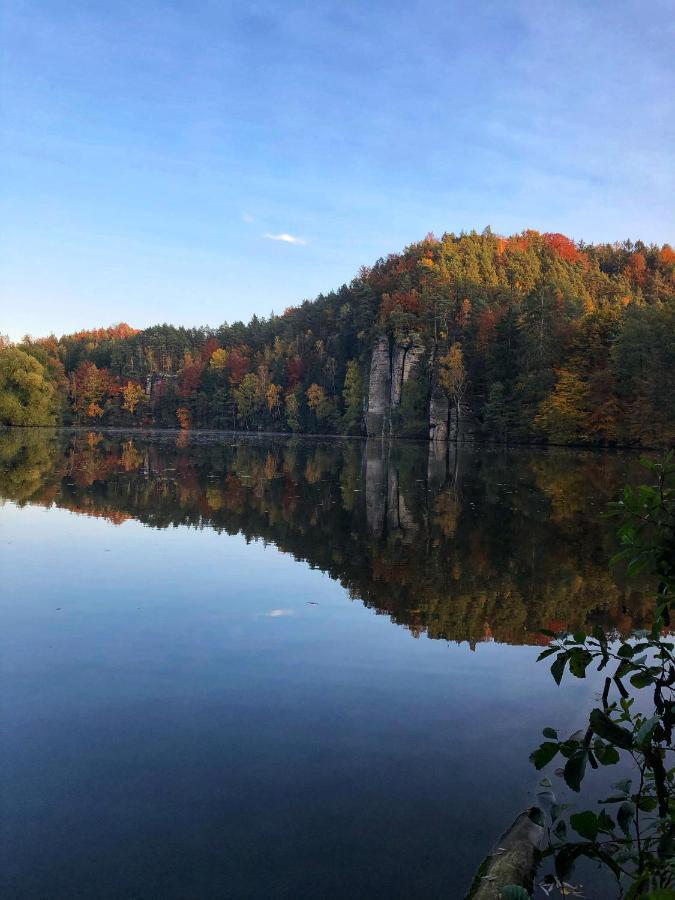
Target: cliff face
column 379, row 388
column 392, row 364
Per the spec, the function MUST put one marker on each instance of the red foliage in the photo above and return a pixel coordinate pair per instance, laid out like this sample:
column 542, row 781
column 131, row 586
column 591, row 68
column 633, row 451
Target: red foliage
column 404, row 301
column 487, row 324
column 295, row 369
column 563, row 246
column 207, row 350
column 238, row 364
column 190, row 379
column 636, row 268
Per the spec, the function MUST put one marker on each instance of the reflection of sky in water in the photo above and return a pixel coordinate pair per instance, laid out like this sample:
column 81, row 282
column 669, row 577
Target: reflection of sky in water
column 160, row 732
column 188, row 713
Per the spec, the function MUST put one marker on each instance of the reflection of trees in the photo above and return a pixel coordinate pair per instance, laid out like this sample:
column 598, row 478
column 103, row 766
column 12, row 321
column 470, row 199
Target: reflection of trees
column 513, row 544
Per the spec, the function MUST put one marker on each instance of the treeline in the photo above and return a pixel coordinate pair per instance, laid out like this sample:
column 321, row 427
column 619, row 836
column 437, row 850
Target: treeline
column 532, row 337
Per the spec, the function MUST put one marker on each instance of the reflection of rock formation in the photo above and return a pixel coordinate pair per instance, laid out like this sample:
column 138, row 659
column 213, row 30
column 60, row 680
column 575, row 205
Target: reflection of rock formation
column 437, row 465
column 499, row 555
column 389, row 509
column 390, row 369
column 375, row 477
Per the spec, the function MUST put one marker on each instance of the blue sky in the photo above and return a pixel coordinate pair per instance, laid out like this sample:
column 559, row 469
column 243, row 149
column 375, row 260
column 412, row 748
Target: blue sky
column 152, row 152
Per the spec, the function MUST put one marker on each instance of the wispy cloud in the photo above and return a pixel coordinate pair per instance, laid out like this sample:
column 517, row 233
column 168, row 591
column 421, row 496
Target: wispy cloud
column 286, row 238
column 247, row 217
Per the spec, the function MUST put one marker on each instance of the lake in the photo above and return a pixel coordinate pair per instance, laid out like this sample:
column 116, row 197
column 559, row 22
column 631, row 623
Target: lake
column 263, row 667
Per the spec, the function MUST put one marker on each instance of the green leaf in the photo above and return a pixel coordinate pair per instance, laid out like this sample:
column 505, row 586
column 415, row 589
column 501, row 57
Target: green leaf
column 586, row 824
column 550, row 733
column 579, row 661
column 558, row 667
column 625, row 651
column 575, row 769
column 642, row 679
column 565, row 859
column 605, row 728
column 605, row 822
column 547, row 652
column 543, row 754
column 607, row 755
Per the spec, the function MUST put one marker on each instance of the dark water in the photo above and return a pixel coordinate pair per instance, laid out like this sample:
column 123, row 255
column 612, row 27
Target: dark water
column 283, row 668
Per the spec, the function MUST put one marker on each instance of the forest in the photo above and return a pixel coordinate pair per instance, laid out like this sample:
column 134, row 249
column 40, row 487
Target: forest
column 531, row 338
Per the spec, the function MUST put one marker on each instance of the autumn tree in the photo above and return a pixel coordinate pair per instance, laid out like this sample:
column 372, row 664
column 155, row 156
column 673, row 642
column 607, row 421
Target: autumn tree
column 317, row 401
column 133, row 393
column 247, row 397
column 292, row 405
column 453, row 379
column 90, row 387
column 218, row 359
column 273, row 399
column 564, row 416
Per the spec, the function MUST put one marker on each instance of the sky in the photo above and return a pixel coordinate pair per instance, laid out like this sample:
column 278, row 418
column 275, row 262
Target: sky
column 198, row 162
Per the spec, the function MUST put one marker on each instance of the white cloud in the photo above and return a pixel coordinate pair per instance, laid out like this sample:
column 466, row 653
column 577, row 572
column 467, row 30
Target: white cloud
column 286, row 238
column 277, row 613
column 247, row 217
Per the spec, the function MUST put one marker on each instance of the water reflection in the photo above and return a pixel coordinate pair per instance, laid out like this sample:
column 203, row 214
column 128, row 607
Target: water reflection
column 463, row 544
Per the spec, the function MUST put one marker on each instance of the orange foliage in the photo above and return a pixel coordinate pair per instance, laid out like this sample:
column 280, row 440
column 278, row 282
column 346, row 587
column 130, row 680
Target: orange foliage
column 636, row 268
column 487, row 325
column 667, row 255
column 563, row 246
column 90, row 387
column 521, row 243
column 405, row 301
column 119, row 332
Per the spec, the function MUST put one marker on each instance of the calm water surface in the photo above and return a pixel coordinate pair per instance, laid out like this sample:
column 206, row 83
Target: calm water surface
column 240, row 667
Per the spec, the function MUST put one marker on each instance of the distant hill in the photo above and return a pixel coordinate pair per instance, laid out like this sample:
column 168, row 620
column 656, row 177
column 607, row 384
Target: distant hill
column 527, row 338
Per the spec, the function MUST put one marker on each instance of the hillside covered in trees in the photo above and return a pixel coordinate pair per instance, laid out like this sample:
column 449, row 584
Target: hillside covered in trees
column 527, row 338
